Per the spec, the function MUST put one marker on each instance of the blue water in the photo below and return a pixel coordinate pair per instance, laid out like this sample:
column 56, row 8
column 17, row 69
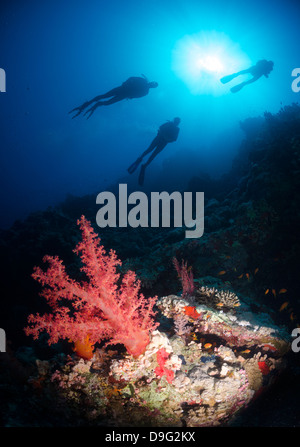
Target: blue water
column 57, row 55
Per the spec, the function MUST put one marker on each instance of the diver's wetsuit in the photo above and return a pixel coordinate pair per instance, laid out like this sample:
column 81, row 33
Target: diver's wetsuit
column 167, row 133
column 261, row 68
column 133, row 87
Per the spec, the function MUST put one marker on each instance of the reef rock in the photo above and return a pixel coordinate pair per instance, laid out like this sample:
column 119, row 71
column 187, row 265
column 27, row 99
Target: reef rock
column 201, row 376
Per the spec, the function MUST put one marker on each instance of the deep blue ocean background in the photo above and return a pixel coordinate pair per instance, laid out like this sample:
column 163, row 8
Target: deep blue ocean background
column 57, row 55
column 242, row 150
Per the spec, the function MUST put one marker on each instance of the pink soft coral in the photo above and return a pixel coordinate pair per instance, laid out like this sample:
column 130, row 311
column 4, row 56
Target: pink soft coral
column 99, row 309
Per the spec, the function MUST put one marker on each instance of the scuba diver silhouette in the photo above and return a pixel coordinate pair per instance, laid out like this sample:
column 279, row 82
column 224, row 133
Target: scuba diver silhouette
column 167, row 133
column 262, row 67
column 133, row 87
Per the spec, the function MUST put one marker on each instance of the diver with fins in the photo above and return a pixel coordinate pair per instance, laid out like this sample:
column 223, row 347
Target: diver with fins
column 167, row 133
column 261, row 68
column 133, row 87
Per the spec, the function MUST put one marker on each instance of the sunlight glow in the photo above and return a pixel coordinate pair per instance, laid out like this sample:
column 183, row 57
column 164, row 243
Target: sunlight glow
column 200, row 60
column 210, row 63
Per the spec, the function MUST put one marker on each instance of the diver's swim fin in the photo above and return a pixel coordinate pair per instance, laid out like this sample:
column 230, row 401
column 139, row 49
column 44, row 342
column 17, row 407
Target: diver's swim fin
column 134, row 166
column 228, row 78
column 237, row 88
column 142, row 175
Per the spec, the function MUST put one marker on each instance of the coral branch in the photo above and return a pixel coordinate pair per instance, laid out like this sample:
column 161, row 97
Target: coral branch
column 98, row 308
column 186, row 277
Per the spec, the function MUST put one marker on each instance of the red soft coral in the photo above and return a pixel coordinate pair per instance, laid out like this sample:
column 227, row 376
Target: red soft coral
column 190, row 311
column 99, row 309
column 264, row 368
column 186, row 277
column 162, row 356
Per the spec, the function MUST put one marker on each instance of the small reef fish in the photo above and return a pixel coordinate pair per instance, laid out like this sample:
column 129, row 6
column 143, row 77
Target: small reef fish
column 248, row 276
column 240, row 277
column 256, row 270
column 283, row 306
column 220, row 304
column 246, row 351
column 274, row 292
column 292, row 316
column 222, row 272
column 207, row 345
column 282, row 291
column 267, row 291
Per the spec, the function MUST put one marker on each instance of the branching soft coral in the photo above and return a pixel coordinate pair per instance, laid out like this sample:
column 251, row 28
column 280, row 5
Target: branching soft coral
column 98, row 309
column 186, row 277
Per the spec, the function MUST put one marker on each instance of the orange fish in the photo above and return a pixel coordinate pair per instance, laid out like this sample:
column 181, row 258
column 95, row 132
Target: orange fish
column 239, row 277
column 282, row 291
column 283, row 306
column 292, row 316
column 248, row 276
column 84, row 348
column 220, row 304
column 274, row 292
column 246, row 351
column 267, row 291
column 256, row 270
column 222, row 272
column 207, row 345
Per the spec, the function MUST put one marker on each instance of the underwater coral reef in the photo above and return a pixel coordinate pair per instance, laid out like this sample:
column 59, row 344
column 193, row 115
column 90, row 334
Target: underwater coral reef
column 215, row 342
